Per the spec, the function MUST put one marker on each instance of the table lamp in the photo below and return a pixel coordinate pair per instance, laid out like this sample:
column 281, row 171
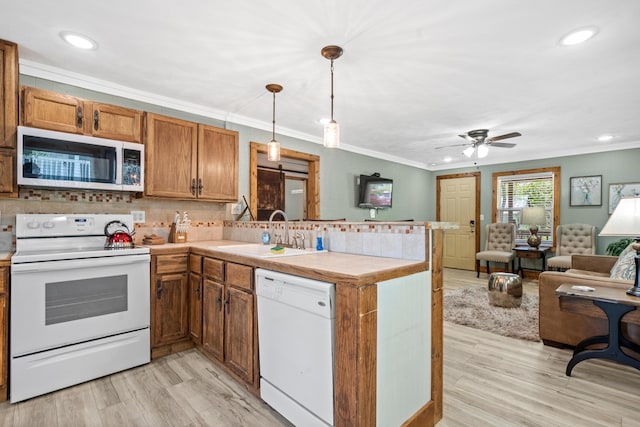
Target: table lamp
column 533, row 217
column 625, row 221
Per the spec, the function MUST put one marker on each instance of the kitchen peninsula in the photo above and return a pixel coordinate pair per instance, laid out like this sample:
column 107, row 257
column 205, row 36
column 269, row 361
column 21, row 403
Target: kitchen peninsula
column 388, row 324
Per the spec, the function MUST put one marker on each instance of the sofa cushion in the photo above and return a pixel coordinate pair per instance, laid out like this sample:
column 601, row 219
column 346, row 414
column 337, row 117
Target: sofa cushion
column 625, row 267
column 587, row 273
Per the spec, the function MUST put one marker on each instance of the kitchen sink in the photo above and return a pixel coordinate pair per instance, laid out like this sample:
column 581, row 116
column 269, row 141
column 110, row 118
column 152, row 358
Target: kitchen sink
column 259, row 250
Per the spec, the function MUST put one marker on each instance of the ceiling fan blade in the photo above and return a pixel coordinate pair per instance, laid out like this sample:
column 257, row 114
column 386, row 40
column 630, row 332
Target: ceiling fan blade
column 505, row 136
column 502, row 144
column 449, row 146
column 467, row 137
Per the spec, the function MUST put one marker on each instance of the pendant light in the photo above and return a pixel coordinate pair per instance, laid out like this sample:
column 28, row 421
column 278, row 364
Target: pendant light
column 331, row 129
column 273, row 148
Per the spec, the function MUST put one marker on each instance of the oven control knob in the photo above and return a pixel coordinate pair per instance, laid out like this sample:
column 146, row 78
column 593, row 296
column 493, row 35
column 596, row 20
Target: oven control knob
column 48, row 224
column 33, row 225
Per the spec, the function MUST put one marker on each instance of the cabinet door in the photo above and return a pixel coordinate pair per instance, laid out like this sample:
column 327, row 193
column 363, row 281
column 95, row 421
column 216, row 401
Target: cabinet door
column 50, row 110
column 171, row 304
column 217, row 164
column 8, row 93
column 7, row 175
column 110, row 121
column 171, row 156
column 195, row 307
column 213, row 303
column 239, row 333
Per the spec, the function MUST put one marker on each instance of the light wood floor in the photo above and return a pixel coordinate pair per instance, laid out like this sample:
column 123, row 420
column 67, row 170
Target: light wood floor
column 489, row 380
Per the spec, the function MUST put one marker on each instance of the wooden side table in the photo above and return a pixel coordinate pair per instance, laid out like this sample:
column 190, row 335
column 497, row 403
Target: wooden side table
column 531, row 253
column 614, row 304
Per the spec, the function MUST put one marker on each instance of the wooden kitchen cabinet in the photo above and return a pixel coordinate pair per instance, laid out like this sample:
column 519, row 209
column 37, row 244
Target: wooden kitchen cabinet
column 186, row 160
column 217, row 164
column 50, row 110
column 169, row 304
column 195, row 298
column 8, row 116
column 228, row 318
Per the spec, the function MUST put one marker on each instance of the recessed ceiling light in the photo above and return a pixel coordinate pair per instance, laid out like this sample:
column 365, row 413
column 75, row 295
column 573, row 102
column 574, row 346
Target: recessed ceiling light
column 78, row 40
column 605, row 138
column 447, row 159
column 578, row 36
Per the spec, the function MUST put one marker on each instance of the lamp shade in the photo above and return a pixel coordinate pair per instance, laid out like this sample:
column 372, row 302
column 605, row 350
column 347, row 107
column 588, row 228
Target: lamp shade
column 533, row 216
column 625, row 219
column 483, row 150
column 332, row 134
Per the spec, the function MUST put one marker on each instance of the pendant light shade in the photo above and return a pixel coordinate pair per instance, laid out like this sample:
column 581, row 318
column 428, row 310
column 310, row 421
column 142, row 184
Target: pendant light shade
column 273, row 147
column 331, row 129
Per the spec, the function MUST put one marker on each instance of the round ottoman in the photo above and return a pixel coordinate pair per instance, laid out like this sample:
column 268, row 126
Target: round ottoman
column 505, row 290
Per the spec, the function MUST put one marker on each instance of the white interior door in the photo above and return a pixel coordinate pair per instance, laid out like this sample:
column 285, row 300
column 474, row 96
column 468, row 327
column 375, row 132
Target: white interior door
column 458, row 204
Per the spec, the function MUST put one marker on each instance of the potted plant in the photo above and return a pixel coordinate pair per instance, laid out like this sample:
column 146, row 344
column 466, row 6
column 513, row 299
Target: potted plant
column 616, row 248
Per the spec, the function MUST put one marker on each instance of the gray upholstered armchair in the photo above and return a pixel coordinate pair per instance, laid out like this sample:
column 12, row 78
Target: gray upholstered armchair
column 500, row 239
column 572, row 239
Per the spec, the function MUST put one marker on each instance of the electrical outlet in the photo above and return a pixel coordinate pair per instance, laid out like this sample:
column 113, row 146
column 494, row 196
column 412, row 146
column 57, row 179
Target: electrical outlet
column 372, row 213
column 138, row 217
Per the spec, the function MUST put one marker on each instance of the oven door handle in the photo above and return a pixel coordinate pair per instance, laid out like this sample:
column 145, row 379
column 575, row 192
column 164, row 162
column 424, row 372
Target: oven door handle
column 69, row 264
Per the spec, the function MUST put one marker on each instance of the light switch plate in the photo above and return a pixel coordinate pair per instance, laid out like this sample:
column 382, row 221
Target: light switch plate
column 372, row 213
column 138, row 217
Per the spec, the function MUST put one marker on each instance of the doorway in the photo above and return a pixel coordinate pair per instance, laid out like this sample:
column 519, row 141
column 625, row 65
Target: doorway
column 299, row 196
column 457, row 200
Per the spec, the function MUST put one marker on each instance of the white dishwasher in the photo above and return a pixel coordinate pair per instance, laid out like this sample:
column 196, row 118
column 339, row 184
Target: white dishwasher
column 296, row 322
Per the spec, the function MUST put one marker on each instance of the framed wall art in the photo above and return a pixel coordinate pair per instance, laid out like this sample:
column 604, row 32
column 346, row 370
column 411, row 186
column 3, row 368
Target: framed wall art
column 620, row 190
column 585, row 190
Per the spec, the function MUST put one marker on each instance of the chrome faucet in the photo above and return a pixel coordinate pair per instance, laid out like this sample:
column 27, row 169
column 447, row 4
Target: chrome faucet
column 298, row 240
column 286, row 225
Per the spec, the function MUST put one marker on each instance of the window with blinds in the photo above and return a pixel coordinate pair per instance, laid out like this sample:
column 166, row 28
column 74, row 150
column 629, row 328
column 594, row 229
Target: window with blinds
column 515, row 192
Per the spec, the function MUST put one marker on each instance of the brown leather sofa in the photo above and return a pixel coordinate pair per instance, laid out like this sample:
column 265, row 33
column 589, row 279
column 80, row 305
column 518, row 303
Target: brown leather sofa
column 561, row 328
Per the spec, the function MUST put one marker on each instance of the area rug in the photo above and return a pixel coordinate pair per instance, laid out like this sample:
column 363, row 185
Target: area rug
column 470, row 307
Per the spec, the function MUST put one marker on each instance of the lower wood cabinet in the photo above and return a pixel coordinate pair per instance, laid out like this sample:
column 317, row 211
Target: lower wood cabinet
column 195, row 298
column 207, row 302
column 228, row 317
column 169, row 303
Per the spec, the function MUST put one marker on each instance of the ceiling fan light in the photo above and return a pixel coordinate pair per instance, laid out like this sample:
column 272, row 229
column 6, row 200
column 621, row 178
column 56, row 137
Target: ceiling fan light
column 332, row 134
column 483, row 150
column 273, row 151
column 469, row 151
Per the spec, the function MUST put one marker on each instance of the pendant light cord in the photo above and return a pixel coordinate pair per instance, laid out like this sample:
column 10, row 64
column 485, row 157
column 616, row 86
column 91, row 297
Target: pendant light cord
column 273, row 137
column 332, row 90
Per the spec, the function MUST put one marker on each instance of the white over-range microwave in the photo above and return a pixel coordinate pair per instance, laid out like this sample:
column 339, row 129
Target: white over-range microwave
column 56, row 159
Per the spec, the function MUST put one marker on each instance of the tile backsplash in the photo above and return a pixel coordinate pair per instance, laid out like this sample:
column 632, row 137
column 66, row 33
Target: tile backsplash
column 394, row 240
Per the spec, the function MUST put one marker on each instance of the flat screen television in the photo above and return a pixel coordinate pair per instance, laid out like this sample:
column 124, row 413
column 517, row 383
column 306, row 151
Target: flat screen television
column 375, row 192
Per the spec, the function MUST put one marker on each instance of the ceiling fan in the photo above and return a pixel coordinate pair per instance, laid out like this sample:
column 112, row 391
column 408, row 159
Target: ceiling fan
column 478, row 140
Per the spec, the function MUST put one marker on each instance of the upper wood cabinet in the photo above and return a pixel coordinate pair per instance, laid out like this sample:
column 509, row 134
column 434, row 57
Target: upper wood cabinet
column 8, row 93
column 171, row 150
column 217, row 163
column 187, row 160
column 64, row 113
column 8, row 116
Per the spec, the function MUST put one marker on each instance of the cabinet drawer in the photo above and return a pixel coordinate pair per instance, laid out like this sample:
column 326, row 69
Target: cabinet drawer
column 239, row 275
column 214, row 269
column 175, row 263
column 195, row 264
